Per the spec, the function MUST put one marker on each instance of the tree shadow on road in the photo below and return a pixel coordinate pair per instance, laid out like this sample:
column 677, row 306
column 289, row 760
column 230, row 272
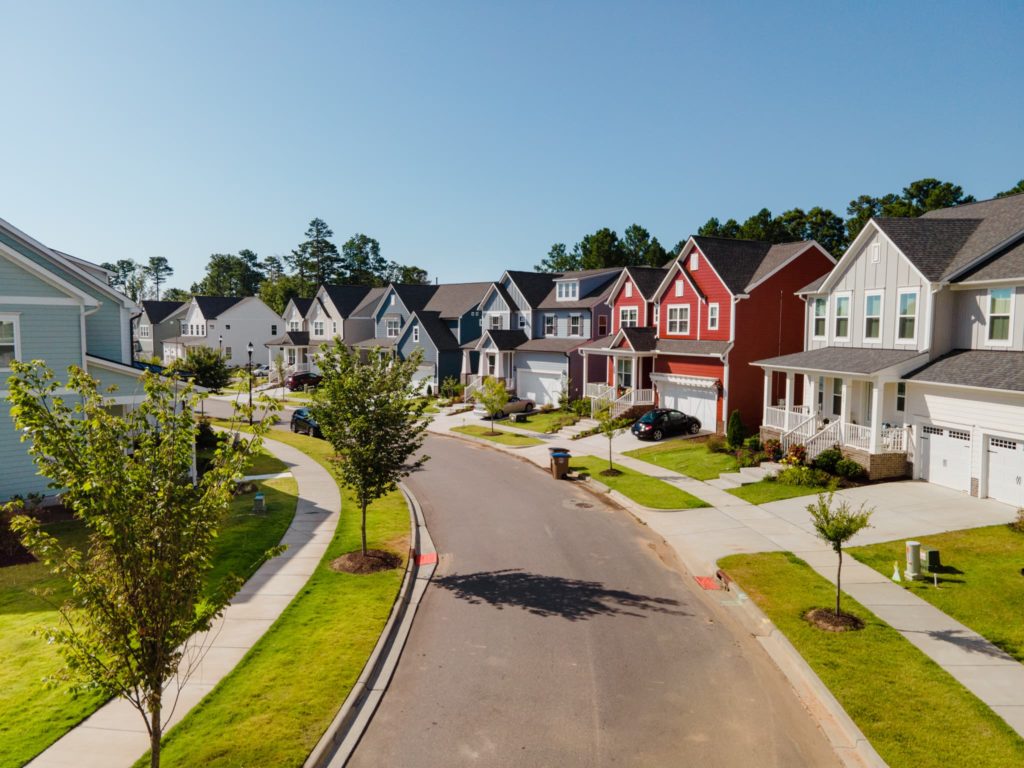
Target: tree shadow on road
column 570, row 599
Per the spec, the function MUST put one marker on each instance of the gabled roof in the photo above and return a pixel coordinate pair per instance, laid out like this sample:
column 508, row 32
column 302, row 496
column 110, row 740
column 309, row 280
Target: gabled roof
column 435, row 328
column 1001, row 222
column 640, row 339
column 302, row 305
column 214, row 306
column 504, row 340
column 813, row 287
column 534, row 286
column 743, row 263
column 1005, row 265
column 453, row 300
column 290, row 339
column 414, row 296
column 348, row 298
column 990, row 369
column 931, row 245
column 647, row 280
column 158, row 311
column 369, row 302
column 596, row 295
column 552, row 344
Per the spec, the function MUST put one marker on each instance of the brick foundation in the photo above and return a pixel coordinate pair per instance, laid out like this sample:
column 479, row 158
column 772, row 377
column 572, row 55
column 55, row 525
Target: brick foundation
column 880, row 466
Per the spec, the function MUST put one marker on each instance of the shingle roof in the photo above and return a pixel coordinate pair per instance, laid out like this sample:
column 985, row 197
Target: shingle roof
column 691, row 347
column 741, row 263
column 814, row 286
column 366, row 306
column 1000, row 219
column 376, row 341
column 157, row 311
column 595, row 296
column 346, row 298
column 842, row 359
column 975, row 368
column 437, row 330
column 641, row 339
column 777, row 255
column 930, row 244
column 1008, row 263
column 302, row 305
column 290, row 338
column 647, row 279
column 552, row 344
column 453, row 300
column 506, row 340
column 534, row 286
column 214, row 306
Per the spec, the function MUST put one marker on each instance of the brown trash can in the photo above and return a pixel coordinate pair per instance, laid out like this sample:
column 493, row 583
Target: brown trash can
column 560, row 464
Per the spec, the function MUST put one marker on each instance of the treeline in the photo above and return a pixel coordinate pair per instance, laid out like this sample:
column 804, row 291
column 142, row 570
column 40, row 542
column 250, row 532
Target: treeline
column 604, row 248
column 275, row 279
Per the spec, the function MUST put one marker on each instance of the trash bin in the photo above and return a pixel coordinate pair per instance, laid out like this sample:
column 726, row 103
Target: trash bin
column 259, row 504
column 560, row 464
column 553, row 450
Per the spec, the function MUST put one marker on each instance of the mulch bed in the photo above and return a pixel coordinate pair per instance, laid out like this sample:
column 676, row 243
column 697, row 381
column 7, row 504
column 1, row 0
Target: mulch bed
column 826, row 619
column 373, row 561
column 610, row 472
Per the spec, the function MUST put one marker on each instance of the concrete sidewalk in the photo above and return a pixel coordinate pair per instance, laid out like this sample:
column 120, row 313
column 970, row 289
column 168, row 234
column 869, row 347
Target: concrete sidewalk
column 903, row 510
column 115, row 736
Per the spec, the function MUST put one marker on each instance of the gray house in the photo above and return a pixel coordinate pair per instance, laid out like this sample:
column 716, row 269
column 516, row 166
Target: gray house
column 158, row 322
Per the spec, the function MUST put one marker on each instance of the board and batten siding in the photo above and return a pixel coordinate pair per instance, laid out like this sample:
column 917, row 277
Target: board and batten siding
column 389, row 309
column 496, row 306
column 562, row 322
column 516, row 295
column 971, row 320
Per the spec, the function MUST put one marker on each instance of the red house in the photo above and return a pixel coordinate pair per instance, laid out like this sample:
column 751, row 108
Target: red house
column 683, row 336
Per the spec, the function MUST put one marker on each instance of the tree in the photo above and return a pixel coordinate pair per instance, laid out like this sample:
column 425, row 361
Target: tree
column 600, row 250
column 158, row 270
column 406, row 274
column 713, row 228
column 276, row 292
column 641, row 249
column 139, row 588
column 206, row 367
column 272, row 267
column 493, row 396
column 361, row 262
column 559, row 260
column 279, row 369
column 734, row 432
column 316, row 260
column 1017, row 189
column 129, row 277
column 228, row 274
column 609, row 426
column 370, row 414
column 177, row 294
column 836, row 527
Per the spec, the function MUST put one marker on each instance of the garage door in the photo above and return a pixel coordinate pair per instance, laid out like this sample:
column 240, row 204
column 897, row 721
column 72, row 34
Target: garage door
column 946, row 457
column 423, row 378
column 540, row 386
column 693, row 401
column 1006, row 470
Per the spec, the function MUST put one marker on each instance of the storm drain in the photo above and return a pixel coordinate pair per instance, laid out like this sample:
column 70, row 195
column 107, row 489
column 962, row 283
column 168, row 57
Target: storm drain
column 578, row 504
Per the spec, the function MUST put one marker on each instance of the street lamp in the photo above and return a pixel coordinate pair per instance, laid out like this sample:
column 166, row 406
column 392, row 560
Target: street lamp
column 249, row 349
column 220, row 343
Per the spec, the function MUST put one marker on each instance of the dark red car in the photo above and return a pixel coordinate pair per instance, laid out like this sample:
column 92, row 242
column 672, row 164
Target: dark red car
column 303, row 381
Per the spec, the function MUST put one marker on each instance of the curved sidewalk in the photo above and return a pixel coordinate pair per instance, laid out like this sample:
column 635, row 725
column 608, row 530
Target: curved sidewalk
column 114, row 735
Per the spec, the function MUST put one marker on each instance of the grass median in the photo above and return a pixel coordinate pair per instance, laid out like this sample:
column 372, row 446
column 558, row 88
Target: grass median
column 911, row 710
column 643, row 489
column 502, row 438
column 687, row 457
column 767, row 491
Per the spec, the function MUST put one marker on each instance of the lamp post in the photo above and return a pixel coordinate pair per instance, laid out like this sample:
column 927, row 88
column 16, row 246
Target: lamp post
column 220, row 343
column 249, row 349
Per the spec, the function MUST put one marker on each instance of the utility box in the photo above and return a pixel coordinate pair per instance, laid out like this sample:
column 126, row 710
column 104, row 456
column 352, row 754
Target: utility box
column 930, row 558
column 560, row 464
column 913, row 560
column 259, row 504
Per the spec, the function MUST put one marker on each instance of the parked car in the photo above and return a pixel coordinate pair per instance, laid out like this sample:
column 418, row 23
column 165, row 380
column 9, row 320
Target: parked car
column 303, row 381
column 514, row 405
column 303, row 422
column 662, row 422
column 261, row 371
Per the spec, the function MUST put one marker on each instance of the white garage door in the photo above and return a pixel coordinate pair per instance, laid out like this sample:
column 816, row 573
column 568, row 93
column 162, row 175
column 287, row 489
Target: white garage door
column 693, row 401
column 946, row 457
column 423, row 378
column 1006, row 470
column 539, row 386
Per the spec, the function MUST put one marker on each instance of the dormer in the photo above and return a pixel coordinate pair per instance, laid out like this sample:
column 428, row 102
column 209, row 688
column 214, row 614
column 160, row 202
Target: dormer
column 567, row 290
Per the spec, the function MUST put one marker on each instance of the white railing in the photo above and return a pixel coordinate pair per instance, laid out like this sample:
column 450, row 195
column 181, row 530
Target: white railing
column 473, row 385
column 780, row 418
column 775, row 417
column 629, row 399
column 598, row 390
column 800, row 434
column 829, row 437
column 894, row 439
column 857, row 436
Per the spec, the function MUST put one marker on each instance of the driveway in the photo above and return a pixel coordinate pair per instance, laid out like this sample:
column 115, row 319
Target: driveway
column 559, row 632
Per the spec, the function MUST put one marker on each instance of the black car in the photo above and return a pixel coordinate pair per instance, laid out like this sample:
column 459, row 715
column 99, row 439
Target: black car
column 302, row 381
column 662, row 422
column 303, row 421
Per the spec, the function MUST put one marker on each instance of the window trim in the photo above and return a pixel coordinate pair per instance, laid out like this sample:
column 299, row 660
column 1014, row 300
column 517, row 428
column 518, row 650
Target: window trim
column 491, row 317
column 387, row 327
column 550, row 325
column 880, row 293
column 694, row 261
column 900, row 293
column 628, row 289
column 837, row 383
column 14, row 318
column 901, row 407
column 848, row 295
column 629, row 372
column 713, row 314
column 416, row 334
column 679, row 320
column 318, row 327
column 680, row 287
column 567, row 290
column 623, row 311
column 602, row 325
column 1008, row 341
column 578, row 319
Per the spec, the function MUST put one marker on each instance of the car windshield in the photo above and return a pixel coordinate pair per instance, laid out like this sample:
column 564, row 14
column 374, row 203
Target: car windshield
column 650, row 417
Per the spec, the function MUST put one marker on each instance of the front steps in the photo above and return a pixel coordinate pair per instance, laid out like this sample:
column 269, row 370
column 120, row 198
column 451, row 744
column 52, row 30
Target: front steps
column 745, row 476
column 583, row 425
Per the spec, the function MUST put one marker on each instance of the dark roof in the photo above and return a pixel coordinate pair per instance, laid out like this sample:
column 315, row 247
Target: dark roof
column 506, row 340
column 691, row 347
column 302, row 305
column 534, row 286
column 813, row 287
column 999, row 220
column 975, row 368
column 741, row 263
column 346, row 298
column 641, row 339
column 552, row 344
column 291, row 338
column 366, row 306
column 437, row 330
column 453, row 300
column 1008, row 263
column 596, row 295
column 777, row 255
column 213, row 306
column 842, row 359
column 414, row 296
column 647, row 279
column 930, row 244
column 157, row 311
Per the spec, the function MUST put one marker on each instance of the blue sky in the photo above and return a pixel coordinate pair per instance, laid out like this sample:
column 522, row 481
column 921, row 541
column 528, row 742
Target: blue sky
column 468, row 137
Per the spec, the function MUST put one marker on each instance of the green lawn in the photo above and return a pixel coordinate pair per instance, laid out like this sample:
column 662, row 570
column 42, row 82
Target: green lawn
column 35, row 716
column 644, row 490
column 912, row 711
column 504, row 438
column 688, row 457
column 262, row 463
column 765, row 491
column 548, row 422
column 274, row 706
column 980, row 584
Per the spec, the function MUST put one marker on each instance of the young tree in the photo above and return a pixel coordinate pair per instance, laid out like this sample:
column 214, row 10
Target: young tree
column 493, row 396
column 206, row 367
column 158, row 270
column 836, row 527
column 279, row 369
column 370, row 414
column 139, row 588
column 609, row 426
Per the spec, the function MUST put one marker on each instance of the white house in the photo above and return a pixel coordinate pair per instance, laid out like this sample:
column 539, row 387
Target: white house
column 225, row 323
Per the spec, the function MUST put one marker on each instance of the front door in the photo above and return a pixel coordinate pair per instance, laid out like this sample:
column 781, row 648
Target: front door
column 624, row 372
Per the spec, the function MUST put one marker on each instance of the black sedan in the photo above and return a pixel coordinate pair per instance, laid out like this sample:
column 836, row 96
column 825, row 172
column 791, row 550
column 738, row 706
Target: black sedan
column 302, row 381
column 662, row 422
column 303, row 422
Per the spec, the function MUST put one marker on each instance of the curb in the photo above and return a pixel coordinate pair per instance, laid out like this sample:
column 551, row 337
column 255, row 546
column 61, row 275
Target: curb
column 343, row 734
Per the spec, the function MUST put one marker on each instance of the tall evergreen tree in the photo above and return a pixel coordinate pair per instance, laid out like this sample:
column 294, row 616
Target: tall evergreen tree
column 228, row 274
column 316, row 260
column 1015, row 190
column 641, row 249
column 158, row 270
column 361, row 262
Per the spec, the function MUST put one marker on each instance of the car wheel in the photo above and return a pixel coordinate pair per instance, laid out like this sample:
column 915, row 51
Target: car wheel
column 694, row 428
column 657, row 435
column 295, row 427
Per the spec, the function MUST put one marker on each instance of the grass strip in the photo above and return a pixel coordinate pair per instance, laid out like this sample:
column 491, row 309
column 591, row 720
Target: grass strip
column 547, row 422
column 912, row 711
column 687, row 457
column 643, row 489
column 503, row 438
column 765, row 491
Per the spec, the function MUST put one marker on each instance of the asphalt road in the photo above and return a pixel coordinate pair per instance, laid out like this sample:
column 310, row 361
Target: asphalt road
column 559, row 632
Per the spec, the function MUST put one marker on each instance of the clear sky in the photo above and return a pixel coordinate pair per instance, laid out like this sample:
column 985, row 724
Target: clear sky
column 468, row 137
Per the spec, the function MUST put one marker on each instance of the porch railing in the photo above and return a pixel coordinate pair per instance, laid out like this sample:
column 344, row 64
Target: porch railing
column 857, row 436
column 629, row 399
column 829, row 437
column 780, row 418
column 800, row 434
column 598, row 390
column 894, row 439
column 473, row 385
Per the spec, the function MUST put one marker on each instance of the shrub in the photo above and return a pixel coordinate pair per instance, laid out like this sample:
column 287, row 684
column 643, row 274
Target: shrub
column 752, row 443
column 451, row 387
column 796, row 455
column 580, row 407
column 850, row 469
column 735, row 432
column 1018, row 524
column 749, row 458
column 804, row 476
column 716, row 444
column 206, row 438
column 773, row 449
column 828, row 459
column 547, row 408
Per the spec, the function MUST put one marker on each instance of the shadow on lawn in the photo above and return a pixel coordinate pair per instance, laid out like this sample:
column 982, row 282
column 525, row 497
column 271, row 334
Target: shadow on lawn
column 546, row 596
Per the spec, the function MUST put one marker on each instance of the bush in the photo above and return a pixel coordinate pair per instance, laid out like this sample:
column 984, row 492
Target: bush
column 206, row 438
column 716, row 444
column 734, row 432
column 773, row 449
column 828, row 459
column 805, row 476
column 1018, row 524
column 748, row 458
column 850, row 469
column 547, row 408
column 752, row 443
column 796, row 455
column 451, row 387
column 580, row 407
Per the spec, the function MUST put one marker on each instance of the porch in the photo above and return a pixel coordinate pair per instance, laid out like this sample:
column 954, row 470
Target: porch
column 627, row 381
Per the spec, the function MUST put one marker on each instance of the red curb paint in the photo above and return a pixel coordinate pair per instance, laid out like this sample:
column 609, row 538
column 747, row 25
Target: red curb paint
column 708, row 582
column 427, row 558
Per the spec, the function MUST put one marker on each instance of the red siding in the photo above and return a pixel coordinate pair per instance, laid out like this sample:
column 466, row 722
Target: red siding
column 694, row 366
column 636, row 300
column 716, row 293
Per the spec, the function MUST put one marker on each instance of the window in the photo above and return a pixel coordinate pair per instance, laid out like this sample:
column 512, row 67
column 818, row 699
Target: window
column 144, row 331
column 678, row 321
column 624, row 372
column 629, row 290
column 820, row 319
column 657, row 314
column 9, row 341
column 876, row 252
column 391, row 327
column 575, row 325
column 318, row 328
column 492, row 365
column 906, row 310
column 820, row 391
column 713, row 317
column 522, row 321
column 184, row 328
column 227, row 353
column 391, row 300
column 602, row 326
column 679, row 288
column 842, row 326
column 873, row 316
column 628, row 317
column 294, row 325
column 1000, row 305
column 203, row 332
column 273, row 330
column 568, row 291
column 416, row 335
column 694, row 261
column 291, row 355
column 334, row 327
column 494, row 322
column 549, row 325
column 837, row 396
column 901, row 396
column 226, row 327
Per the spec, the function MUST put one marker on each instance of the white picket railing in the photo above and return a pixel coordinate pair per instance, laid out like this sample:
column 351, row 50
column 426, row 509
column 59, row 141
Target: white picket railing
column 598, row 390
column 629, row 399
column 473, row 385
column 800, row 434
column 857, row 436
column 894, row 439
column 780, row 418
column 775, row 417
column 829, row 437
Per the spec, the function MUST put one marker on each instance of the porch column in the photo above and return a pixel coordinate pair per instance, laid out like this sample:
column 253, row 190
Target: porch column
column 466, row 371
column 767, row 395
column 586, row 370
column 789, row 399
column 876, row 417
column 633, row 379
column 844, row 407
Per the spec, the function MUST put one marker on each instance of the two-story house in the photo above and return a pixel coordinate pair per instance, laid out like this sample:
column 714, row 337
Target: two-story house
column 153, row 326
column 686, row 343
column 228, row 324
column 533, row 326
column 62, row 310
column 913, row 358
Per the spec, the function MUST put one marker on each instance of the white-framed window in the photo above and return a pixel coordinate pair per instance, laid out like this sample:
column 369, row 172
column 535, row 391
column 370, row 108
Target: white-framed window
column 842, row 317
column 837, row 396
column 416, row 335
column 227, row 353
column 391, row 300
column 568, row 290
column 144, row 331
column 492, row 365
column 291, row 355
column 203, row 332
column 334, row 327
column 901, row 396
column 1000, row 313
column 318, row 327
column 391, row 327
column 602, row 325
column 820, row 392
column 294, row 325
column 629, row 290
column 629, row 317
column 183, row 328
column 873, row 316
column 680, row 287
column 906, row 315
column 694, row 261
column 10, row 340
column 657, row 315
column 678, row 319
column 575, row 325
column 624, row 372
column 713, row 316
column 522, row 321
column 820, row 327
column 273, row 330
column 549, row 325
column 494, row 322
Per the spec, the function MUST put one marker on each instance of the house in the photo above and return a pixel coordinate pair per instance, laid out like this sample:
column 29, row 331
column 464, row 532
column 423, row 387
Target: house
column 228, row 324
column 156, row 324
column 534, row 324
column 686, row 341
column 62, row 310
column 913, row 356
